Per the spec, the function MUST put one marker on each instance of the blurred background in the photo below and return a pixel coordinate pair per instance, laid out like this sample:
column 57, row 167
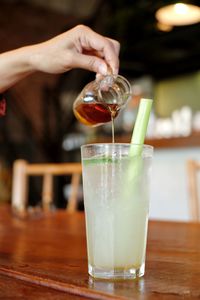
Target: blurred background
column 160, row 58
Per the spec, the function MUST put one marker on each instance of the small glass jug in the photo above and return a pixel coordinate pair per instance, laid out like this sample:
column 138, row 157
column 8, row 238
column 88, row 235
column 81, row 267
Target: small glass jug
column 101, row 100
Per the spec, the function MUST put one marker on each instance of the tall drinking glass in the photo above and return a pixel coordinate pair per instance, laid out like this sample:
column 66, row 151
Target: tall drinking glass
column 116, row 198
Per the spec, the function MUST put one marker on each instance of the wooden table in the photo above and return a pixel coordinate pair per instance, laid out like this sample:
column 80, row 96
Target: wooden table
column 45, row 257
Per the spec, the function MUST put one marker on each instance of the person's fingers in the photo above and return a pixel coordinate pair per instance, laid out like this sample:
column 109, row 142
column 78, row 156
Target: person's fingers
column 116, row 45
column 89, row 62
column 110, row 53
column 108, row 48
column 116, row 49
column 99, row 54
column 114, row 59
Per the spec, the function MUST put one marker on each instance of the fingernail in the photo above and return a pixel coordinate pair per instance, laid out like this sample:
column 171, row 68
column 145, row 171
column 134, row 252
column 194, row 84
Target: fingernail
column 98, row 76
column 103, row 69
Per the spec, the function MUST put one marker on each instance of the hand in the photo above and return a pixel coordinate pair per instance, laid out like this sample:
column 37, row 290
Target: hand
column 79, row 47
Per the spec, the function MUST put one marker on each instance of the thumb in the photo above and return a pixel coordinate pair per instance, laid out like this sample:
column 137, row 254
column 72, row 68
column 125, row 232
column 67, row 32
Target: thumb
column 91, row 63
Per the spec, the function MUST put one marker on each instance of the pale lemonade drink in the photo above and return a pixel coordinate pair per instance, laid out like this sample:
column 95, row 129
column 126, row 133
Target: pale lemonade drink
column 116, row 207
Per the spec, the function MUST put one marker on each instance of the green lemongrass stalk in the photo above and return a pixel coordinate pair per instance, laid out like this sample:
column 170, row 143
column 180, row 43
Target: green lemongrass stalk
column 140, row 127
column 137, row 140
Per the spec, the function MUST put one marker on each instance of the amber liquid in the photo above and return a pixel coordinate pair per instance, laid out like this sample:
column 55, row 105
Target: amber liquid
column 94, row 114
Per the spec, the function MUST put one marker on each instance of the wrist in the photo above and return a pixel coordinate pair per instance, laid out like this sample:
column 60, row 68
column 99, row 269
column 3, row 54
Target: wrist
column 25, row 58
column 34, row 57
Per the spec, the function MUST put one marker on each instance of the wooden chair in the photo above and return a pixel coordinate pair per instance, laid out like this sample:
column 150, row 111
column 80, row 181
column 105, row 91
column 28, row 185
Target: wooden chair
column 22, row 170
column 193, row 169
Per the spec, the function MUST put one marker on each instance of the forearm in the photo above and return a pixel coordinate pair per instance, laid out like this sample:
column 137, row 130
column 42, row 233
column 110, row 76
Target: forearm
column 14, row 66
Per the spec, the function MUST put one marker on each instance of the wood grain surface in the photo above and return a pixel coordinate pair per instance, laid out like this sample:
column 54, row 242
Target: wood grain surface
column 11, row 288
column 48, row 251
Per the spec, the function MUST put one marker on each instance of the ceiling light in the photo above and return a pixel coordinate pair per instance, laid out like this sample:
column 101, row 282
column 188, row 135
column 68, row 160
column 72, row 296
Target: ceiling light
column 178, row 14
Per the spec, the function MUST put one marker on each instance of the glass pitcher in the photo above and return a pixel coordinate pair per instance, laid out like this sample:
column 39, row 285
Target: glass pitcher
column 101, row 100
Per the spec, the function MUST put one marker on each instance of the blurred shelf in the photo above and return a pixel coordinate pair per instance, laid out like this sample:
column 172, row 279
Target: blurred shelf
column 174, row 142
